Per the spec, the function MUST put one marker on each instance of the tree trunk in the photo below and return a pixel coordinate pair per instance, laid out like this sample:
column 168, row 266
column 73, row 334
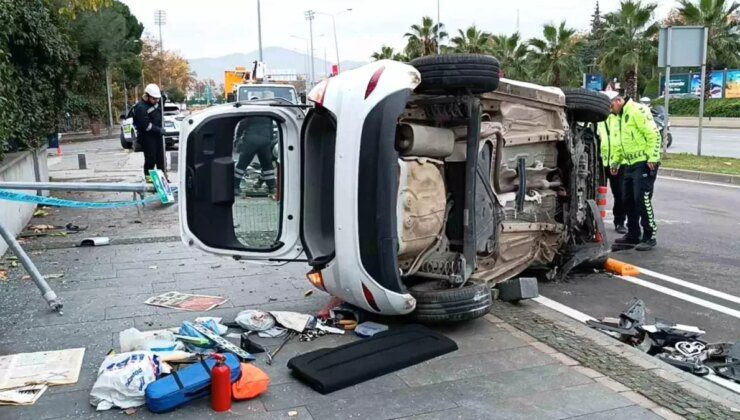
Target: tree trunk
column 630, row 84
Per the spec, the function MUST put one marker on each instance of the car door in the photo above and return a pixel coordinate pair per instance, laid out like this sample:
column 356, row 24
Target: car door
column 240, row 191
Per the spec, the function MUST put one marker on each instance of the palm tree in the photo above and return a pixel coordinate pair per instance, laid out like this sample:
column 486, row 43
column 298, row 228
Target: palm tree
column 472, row 40
column 512, row 54
column 423, row 39
column 721, row 19
column 629, row 41
column 385, row 52
column 553, row 57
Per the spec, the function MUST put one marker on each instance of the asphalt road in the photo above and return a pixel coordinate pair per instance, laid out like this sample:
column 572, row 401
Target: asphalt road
column 698, row 242
column 723, row 142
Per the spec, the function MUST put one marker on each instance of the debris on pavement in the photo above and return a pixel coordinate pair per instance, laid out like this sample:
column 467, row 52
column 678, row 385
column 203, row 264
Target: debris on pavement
column 54, row 276
column 676, row 344
column 252, row 383
column 255, row 320
column 40, row 213
column 3, row 274
column 186, row 301
column 61, row 367
column 25, row 395
column 620, row 268
column 369, row 329
column 95, row 241
column 123, row 379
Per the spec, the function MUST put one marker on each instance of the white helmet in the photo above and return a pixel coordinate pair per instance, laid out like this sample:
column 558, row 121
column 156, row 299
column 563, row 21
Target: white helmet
column 611, row 94
column 645, row 100
column 153, row 91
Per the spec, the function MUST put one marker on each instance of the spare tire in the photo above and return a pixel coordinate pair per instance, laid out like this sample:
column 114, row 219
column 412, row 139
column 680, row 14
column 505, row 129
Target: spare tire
column 452, row 74
column 587, row 105
column 435, row 304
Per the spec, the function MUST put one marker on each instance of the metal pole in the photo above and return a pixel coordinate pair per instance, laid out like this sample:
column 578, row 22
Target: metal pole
column 309, row 16
column 78, row 186
column 437, row 34
column 702, row 93
column 336, row 42
column 109, row 94
column 667, row 87
column 44, row 288
column 161, row 55
column 259, row 28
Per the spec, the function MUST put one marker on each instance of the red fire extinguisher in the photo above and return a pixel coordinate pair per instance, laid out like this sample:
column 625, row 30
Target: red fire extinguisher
column 220, row 385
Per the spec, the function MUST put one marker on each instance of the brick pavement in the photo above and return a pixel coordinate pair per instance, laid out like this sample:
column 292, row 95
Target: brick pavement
column 498, row 372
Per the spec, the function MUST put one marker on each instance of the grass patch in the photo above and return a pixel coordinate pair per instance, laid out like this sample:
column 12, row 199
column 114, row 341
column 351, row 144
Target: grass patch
column 719, row 165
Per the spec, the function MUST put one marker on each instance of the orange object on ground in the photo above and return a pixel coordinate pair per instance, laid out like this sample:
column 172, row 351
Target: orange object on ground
column 252, row 383
column 621, row 268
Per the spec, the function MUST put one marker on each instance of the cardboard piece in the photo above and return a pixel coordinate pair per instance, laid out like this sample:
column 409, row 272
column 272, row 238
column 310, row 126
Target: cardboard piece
column 186, row 301
column 60, row 367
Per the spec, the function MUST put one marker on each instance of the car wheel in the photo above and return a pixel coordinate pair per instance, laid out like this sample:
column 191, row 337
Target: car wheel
column 457, row 73
column 438, row 303
column 587, row 105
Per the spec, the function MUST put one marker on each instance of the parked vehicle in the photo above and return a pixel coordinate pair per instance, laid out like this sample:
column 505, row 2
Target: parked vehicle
column 408, row 188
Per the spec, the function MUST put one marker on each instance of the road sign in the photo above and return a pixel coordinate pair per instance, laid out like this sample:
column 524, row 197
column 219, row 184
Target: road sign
column 686, row 46
column 679, row 84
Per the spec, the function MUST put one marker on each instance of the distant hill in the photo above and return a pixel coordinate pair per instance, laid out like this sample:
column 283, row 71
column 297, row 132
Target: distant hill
column 277, row 58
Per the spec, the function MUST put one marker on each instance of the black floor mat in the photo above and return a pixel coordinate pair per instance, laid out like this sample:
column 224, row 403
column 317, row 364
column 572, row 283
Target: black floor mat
column 328, row 370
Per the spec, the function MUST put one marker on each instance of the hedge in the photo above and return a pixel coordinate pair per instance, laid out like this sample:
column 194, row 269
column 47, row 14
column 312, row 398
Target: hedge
column 712, row 107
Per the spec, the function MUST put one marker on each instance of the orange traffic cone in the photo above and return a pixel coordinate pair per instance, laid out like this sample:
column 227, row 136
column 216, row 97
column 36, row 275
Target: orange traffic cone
column 59, row 149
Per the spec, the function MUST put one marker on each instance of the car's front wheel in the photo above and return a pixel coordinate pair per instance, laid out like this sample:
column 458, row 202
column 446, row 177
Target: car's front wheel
column 124, row 143
column 438, row 302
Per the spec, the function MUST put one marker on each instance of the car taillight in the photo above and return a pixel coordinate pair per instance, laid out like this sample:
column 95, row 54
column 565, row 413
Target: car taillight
column 316, row 279
column 317, row 93
column 373, row 81
column 370, row 298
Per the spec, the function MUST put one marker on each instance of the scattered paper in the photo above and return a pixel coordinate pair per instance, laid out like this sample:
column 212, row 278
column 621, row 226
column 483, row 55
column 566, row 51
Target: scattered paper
column 292, row 413
column 3, row 274
column 25, row 395
column 292, row 320
column 46, row 367
column 186, row 301
column 53, row 276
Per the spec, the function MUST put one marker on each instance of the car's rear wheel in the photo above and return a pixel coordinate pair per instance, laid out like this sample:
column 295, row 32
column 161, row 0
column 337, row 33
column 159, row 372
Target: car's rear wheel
column 124, row 143
column 587, row 105
column 437, row 302
column 452, row 74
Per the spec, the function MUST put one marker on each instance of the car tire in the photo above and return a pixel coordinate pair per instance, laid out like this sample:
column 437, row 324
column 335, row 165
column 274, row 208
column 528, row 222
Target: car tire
column 436, row 305
column 452, row 74
column 587, row 105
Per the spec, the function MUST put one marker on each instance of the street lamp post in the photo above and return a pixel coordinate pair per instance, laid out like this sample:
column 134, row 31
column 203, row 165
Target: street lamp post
column 259, row 28
column 310, row 16
column 334, row 25
column 160, row 18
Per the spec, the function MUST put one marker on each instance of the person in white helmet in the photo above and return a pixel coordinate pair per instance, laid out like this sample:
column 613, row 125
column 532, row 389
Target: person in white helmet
column 646, row 101
column 149, row 130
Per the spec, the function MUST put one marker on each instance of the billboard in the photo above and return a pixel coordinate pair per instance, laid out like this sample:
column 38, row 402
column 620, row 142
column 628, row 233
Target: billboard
column 679, row 84
column 594, row 82
column 732, row 84
column 716, row 82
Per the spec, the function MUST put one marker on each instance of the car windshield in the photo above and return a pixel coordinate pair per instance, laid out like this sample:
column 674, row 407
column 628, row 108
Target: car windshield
column 251, row 93
column 171, row 110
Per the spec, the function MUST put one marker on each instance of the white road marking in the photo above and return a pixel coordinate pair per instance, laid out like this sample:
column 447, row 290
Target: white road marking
column 693, row 181
column 689, row 285
column 573, row 313
column 731, row 385
column 682, row 296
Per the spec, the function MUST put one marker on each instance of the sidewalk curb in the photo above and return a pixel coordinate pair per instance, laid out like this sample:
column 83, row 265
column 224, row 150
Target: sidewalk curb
column 700, row 176
column 81, row 139
column 714, row 122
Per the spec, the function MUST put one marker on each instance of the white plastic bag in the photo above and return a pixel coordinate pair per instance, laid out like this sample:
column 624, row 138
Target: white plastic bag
column 122, row 380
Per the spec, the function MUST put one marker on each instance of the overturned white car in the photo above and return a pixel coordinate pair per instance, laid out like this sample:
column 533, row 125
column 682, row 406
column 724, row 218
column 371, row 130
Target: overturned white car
column 408, row 188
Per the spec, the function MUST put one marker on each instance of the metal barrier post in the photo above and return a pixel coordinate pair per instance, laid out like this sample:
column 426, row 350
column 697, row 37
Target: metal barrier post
column 46, row 292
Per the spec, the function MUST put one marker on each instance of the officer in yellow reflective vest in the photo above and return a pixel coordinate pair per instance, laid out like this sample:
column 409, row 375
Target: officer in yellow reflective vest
column 616, row 181
column 636, row 149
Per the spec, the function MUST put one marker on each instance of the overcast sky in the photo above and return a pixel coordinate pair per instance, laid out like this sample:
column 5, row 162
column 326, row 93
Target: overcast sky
column 213, row 28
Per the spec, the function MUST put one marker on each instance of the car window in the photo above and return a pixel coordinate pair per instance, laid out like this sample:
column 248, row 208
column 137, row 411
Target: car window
column 256, row 92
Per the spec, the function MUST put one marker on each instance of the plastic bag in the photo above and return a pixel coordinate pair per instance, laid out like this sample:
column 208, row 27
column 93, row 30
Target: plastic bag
column 161, row 340
column 122, row 380
column 254, row 320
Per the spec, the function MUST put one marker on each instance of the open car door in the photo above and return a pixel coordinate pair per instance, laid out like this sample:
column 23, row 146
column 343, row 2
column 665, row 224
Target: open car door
column 240, row 191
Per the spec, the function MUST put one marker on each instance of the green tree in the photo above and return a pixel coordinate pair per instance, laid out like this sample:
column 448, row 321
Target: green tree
column 385, row 52
column 512, row 54
column 723, row 22
column 35, row 62
column 553, row 57
column 423, row 39
column 472, row 40
column 629, row 38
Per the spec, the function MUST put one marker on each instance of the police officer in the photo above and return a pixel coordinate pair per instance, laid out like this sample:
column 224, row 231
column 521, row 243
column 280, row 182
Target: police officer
column 636, row 149
column 616, row 181
column 149, row 130
column 255, row 136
